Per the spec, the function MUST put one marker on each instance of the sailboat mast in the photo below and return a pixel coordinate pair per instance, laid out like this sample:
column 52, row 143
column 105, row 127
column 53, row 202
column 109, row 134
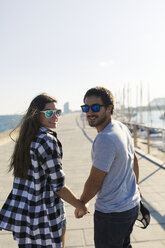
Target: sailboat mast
column 141, row 103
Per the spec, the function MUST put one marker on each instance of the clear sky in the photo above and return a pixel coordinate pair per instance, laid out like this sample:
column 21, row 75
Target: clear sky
column 64, row 47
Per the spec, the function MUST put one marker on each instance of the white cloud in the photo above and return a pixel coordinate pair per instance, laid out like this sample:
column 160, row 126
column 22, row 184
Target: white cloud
column 106, row 63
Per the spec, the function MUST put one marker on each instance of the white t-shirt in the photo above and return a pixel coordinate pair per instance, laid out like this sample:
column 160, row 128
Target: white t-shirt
column 113, row 152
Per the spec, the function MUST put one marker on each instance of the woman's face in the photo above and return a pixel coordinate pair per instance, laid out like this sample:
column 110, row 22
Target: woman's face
column 51, row 122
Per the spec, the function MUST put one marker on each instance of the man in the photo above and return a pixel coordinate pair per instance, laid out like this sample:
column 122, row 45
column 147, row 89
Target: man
column 113, row 175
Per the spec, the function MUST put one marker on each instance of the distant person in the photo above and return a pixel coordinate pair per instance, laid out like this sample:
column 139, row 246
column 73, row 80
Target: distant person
column 34, row 210
column 113, row 175
column 83, row 119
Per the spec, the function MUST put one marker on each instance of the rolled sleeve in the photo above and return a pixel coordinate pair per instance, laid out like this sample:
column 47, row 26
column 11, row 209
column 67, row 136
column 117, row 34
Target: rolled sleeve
column 50, row 158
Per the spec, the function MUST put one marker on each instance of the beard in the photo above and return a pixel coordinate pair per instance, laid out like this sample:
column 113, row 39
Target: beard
column 95, row 120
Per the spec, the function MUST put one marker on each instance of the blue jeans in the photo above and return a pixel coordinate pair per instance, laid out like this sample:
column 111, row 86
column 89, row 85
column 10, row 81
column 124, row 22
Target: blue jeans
column 112, row 230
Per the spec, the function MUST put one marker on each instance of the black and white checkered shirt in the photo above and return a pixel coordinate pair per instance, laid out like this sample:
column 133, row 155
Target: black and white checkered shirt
column 32, row 211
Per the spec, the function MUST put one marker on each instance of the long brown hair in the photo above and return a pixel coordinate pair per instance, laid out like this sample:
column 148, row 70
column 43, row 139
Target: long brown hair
column 29, row 126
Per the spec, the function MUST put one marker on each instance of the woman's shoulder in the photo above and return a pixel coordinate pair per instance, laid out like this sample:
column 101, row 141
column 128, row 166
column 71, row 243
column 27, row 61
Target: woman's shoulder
column 43, row 136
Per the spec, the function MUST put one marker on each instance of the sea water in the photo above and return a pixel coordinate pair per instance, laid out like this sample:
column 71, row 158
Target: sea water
column 8, row 122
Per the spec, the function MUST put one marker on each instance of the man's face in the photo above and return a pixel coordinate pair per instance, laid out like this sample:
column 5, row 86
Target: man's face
column 97, row 119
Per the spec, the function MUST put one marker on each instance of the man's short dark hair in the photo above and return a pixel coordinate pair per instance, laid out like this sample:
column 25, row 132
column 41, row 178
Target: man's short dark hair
column 105, row 94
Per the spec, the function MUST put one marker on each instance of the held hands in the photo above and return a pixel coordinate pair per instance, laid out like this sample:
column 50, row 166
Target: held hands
column 80, row 212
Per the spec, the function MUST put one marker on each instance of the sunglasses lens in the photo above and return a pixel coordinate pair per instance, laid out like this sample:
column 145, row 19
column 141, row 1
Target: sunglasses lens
column 95, row 108
column 85, row 108
column 58, row 112
column 48, row 113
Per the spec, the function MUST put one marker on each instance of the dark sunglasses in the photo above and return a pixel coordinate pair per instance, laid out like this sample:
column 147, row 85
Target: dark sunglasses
column 49, row 113
column 95, row 107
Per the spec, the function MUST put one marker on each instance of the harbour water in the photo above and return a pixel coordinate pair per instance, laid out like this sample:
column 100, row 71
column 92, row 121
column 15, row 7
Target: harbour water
column 150, row 118
column 8, row 122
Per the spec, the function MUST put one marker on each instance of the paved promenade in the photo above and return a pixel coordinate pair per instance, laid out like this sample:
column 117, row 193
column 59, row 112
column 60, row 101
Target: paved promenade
column 77, row 163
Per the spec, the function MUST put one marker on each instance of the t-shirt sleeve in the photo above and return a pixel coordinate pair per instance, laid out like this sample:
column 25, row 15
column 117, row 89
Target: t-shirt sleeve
column 103, row 152
column 50, row 160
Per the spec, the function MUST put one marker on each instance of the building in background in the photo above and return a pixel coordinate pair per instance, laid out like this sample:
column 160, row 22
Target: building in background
column 66, row 108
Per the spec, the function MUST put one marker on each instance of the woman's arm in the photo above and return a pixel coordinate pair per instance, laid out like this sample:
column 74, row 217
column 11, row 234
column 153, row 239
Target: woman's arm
column 67, row 195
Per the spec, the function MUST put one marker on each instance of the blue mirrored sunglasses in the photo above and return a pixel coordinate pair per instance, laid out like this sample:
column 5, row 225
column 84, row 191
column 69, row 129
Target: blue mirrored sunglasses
column 49, row 113
column 94, row 107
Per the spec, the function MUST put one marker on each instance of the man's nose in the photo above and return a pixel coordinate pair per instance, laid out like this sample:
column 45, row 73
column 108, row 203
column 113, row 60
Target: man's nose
column 90, row 111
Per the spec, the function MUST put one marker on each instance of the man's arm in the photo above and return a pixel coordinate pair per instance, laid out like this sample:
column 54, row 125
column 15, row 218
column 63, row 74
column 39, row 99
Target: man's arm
column 136, row 168
column 93, row 184
column 91, row 187
column 136, row 171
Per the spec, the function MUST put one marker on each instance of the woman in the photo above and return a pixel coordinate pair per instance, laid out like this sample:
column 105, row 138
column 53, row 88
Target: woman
column 34, row 210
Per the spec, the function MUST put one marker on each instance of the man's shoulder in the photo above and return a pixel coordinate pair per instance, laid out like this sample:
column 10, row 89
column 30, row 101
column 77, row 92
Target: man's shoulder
column 104, row 138
column 118, row 123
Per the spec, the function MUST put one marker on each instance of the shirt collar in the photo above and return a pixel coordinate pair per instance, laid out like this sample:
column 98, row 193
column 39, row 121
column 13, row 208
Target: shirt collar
column 46, row 130
column 108, row 126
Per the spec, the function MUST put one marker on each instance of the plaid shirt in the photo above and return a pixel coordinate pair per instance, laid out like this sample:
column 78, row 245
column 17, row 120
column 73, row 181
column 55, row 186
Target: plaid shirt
column 32, row 211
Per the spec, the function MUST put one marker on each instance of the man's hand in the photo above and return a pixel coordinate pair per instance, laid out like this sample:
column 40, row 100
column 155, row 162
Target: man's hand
column 80, row 213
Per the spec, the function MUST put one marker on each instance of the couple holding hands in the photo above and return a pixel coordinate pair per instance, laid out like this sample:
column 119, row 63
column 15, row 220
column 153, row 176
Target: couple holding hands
column 34, row 210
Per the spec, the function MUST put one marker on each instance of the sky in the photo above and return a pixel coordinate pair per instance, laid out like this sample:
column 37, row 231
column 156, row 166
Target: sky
column 65, row 47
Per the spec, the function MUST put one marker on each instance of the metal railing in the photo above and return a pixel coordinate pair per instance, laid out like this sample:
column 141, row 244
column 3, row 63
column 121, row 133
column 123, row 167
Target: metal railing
column 150, row 131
